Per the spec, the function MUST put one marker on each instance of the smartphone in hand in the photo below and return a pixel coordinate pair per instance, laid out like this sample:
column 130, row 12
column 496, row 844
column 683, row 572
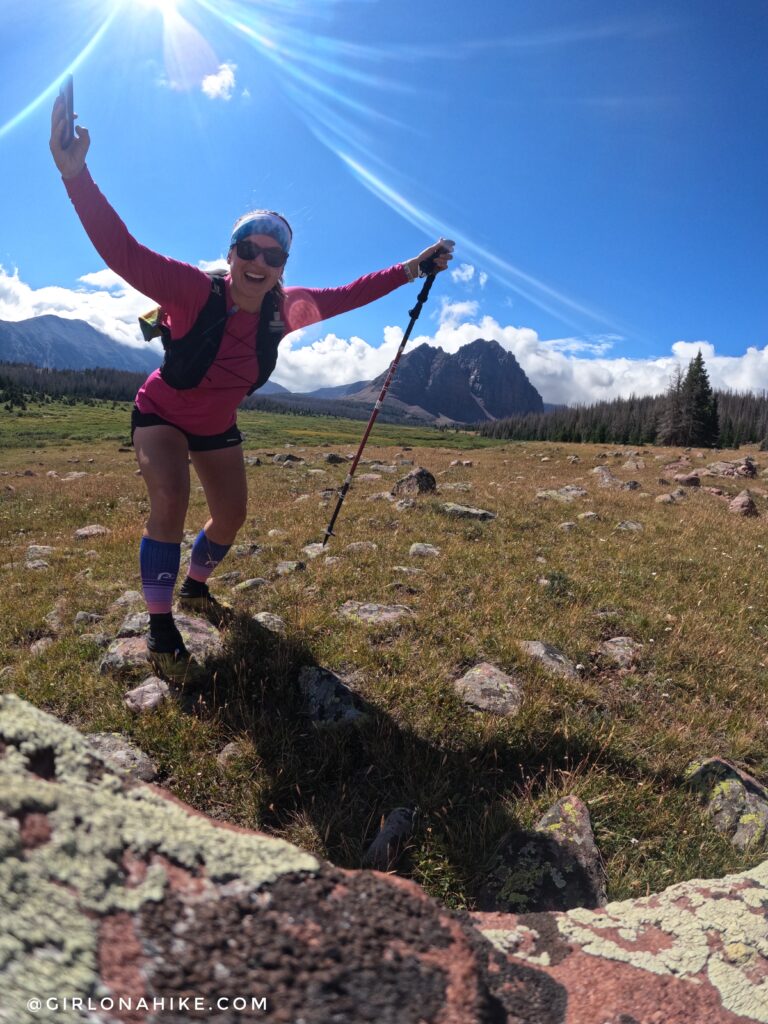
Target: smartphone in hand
column 68, row 131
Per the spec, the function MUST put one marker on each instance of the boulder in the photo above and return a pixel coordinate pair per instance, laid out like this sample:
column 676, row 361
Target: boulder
column 418, row 481
column 735, row 801
column 557, row 866
column 466, row 512
column 140, row 896
column 552, row 659
column 486, row 688
column 743, row 505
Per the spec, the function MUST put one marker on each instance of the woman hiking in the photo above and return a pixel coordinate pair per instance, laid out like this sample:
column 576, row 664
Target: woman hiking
column 221, row 339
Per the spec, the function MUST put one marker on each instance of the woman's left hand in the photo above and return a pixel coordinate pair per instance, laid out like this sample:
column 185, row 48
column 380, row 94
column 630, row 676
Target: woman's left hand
column 439, row 254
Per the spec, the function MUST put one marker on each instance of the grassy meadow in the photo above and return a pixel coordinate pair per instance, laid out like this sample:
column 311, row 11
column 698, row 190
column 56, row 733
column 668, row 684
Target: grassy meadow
column 689, row 588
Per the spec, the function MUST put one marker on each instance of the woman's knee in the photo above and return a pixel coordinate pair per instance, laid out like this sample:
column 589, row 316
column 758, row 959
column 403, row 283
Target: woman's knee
column 228, row 522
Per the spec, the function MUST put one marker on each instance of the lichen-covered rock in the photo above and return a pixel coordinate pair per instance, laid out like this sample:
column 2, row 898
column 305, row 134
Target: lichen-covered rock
column 557, row 866
column 375, row 614
column 486, row 688
column 327, row 698
column 419, row 550
column 122, row 755
column 735, row 800
column 550, row 657
column 110, row 889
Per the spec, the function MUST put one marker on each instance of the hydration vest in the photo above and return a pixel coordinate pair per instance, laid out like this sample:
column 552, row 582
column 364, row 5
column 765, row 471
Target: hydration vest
column 187, row 360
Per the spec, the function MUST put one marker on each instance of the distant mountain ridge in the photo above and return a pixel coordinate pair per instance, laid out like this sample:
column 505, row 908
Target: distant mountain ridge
column 58, row 343
column 481, row 382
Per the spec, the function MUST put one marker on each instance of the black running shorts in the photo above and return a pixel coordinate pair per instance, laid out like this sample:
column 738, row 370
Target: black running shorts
column 197, row 442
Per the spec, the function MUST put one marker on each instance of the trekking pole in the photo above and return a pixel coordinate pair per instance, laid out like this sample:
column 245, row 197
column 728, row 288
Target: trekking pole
column 427, row 267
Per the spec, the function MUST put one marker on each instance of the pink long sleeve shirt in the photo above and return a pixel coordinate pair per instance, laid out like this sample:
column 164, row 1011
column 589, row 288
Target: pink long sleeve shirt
column 182, row 291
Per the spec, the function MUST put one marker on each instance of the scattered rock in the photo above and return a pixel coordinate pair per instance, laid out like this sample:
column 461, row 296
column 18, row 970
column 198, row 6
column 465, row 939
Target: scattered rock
column 271, row 622
column 461, row 486
column 567, row 526
column 327, row 698
column 40, row 646
column 621, row 651
column 285, row 459
column 86, row 532
column 550, row 657
column 128, row 599
column 313, row 550
column 250, row 584
column 735, row 800
column 466, row 512
column 565, row 494
column 423, row 551
column 605, row 478
column 38, row 565
column 486, row 688
column 634, row 464
column 739, row 467
column 122, row 756
column 228, row 754
column 35, row 551
column 418, row 481
column 557, row 866
column 630, row 525
column 148, row 695
column 333, row 458
column 286, row 568
column 588, row 516
column 687, row 479
column 386, row 849
column 631, row 485
column 375, row 614
column 743, row 505
column 404, row 504
column 277, row 533
column 87, row 618
column 361, row 546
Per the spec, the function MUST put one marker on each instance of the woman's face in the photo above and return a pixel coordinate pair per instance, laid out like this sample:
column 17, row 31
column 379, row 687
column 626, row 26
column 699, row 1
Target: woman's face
column 253, row 278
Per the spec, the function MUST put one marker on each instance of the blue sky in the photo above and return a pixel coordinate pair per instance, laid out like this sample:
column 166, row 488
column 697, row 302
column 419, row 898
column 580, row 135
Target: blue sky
column 600, row 164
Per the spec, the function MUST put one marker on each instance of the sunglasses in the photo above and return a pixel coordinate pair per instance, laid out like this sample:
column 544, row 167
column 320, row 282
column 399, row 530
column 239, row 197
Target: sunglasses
column 273, row 255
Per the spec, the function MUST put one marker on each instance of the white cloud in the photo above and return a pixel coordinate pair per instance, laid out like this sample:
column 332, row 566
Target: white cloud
column 105, row 301
column 483, row 278
column 220, row 86
column 564, row 370
column 463, row 273
column 451, row 313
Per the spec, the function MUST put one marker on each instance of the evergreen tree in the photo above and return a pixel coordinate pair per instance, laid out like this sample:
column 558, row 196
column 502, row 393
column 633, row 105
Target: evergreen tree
column 699, row 407
column 671, row 429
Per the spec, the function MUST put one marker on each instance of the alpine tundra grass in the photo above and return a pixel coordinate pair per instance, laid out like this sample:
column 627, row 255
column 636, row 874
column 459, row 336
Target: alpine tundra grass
column 687, row 587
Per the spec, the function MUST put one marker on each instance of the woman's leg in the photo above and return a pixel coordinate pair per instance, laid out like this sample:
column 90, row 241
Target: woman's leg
column 162, row 455
column 222, row 475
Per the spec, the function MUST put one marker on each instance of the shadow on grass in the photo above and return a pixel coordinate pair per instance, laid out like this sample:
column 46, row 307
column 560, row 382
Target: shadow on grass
column 326, row 787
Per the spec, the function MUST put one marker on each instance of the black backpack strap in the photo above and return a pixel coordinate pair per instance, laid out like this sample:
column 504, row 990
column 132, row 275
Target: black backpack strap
column 188, row 359
column 268, row 336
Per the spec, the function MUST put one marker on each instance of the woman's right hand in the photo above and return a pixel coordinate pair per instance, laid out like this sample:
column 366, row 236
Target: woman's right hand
column 70, row 161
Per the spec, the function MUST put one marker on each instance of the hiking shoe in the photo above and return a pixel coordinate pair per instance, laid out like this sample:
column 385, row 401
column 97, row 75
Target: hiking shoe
column 178, row 667
column 207, row 606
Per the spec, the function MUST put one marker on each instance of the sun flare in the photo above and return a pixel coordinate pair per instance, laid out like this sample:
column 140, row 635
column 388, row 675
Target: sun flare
column 165, row 7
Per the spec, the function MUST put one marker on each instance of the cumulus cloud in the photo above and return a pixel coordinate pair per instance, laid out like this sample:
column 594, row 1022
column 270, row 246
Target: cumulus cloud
column 104, row 300
column 220, row 86
column 463, row 273
column 564, row 370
